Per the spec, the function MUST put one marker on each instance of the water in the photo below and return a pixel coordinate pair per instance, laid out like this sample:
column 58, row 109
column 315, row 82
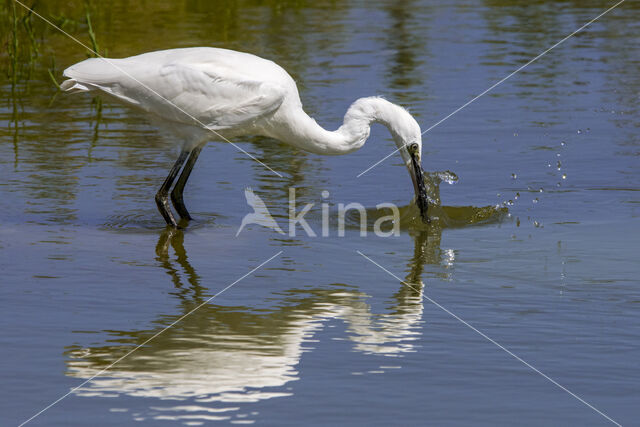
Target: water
column 536, row 245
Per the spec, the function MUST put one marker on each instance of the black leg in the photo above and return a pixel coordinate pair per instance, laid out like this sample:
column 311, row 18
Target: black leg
column 162, row 196
column 176, row 194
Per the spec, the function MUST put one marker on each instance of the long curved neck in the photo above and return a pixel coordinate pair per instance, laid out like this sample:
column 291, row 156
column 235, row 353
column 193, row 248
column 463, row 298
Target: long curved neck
column 303, row 131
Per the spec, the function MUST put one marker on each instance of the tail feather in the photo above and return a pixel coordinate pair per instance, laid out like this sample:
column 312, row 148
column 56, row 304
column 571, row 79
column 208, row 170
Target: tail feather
column 94, row 70
column 73, row 86
column 97, row 74
column 89, row 74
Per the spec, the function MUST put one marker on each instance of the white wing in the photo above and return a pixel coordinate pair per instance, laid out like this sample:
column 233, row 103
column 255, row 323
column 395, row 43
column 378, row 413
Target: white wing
column 220, row 88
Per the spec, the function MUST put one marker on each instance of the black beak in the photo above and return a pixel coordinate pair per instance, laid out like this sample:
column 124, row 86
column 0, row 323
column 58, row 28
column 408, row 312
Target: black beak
column 418, row 183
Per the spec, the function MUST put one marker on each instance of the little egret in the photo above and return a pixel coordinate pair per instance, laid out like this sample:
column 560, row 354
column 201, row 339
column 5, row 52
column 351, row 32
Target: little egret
column 205, row 93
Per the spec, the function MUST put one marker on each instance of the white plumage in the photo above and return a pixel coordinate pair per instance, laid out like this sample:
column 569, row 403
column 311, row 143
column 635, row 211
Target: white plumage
column 204, row 94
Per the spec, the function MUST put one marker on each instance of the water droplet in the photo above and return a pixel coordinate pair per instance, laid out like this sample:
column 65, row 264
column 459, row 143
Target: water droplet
column 559, row 165
column 548, row 165
column 514, row 176
column 536, row 200
column 517, row 196
column 564, row 176
column 557, row 154
column 510, row 203
column 515, row 134
column 558, row 184
column 541, row 190
column 448, row 177
column 563, row 143
column 518, row 222
column 579, row 131
column 536, row 223
column 498, row 195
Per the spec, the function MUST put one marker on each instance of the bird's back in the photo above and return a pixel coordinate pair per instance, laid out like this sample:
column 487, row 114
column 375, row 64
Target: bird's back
column 211, row 87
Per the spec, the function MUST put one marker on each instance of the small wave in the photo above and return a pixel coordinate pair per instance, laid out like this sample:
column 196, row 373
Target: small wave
column 132, row 221
column 441, row 216
column 151, row 221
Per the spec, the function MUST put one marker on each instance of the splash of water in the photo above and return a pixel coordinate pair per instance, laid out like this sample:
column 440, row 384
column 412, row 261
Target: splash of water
column 441, row 216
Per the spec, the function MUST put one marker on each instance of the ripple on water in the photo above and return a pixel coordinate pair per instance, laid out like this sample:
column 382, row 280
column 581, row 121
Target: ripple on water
column 132, row 221
column 441, row 216
column 151, row 221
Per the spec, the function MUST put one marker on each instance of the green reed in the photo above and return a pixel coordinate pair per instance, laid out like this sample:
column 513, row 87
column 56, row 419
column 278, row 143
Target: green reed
column 96, row 102
column 92, row 34
column 25, row 36
column 27, row 23
column 13, row 48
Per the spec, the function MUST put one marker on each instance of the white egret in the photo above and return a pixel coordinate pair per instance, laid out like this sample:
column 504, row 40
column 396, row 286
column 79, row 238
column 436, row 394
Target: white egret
column 205, row 93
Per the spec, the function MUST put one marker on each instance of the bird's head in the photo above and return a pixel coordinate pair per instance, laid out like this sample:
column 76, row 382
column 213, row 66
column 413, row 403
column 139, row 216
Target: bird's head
column 408, row 138
column 404, row 130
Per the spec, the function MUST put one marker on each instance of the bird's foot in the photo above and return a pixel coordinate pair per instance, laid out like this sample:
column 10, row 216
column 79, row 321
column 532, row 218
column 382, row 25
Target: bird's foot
column 162, row 200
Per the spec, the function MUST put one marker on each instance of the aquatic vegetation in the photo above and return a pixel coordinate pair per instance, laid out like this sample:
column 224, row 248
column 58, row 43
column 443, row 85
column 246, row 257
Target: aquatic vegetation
column 52, row 71
column 30, row 58
column 13, row 48
column 23, row 45
column 27, row 23
column 96, row 101
column 92, row 34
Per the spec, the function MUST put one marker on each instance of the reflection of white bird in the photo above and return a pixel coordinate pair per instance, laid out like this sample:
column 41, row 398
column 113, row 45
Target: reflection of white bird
column 207, row 93
column 230, row 363
column 260, row 214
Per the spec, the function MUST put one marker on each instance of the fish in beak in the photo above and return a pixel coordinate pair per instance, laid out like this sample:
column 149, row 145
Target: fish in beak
column 418, row 182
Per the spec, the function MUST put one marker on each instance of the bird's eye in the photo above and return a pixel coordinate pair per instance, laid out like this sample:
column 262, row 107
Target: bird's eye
column 413, row 148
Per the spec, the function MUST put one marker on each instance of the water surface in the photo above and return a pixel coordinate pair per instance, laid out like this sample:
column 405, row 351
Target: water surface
column 537, row 243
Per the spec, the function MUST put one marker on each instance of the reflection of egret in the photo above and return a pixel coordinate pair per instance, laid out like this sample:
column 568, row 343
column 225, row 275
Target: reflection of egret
column 221, row 356
column 175, row 238
column 260, row 214
column 208, row 93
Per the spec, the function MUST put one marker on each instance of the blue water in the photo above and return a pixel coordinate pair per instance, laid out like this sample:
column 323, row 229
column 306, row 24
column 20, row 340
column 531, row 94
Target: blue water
column 320, row 335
